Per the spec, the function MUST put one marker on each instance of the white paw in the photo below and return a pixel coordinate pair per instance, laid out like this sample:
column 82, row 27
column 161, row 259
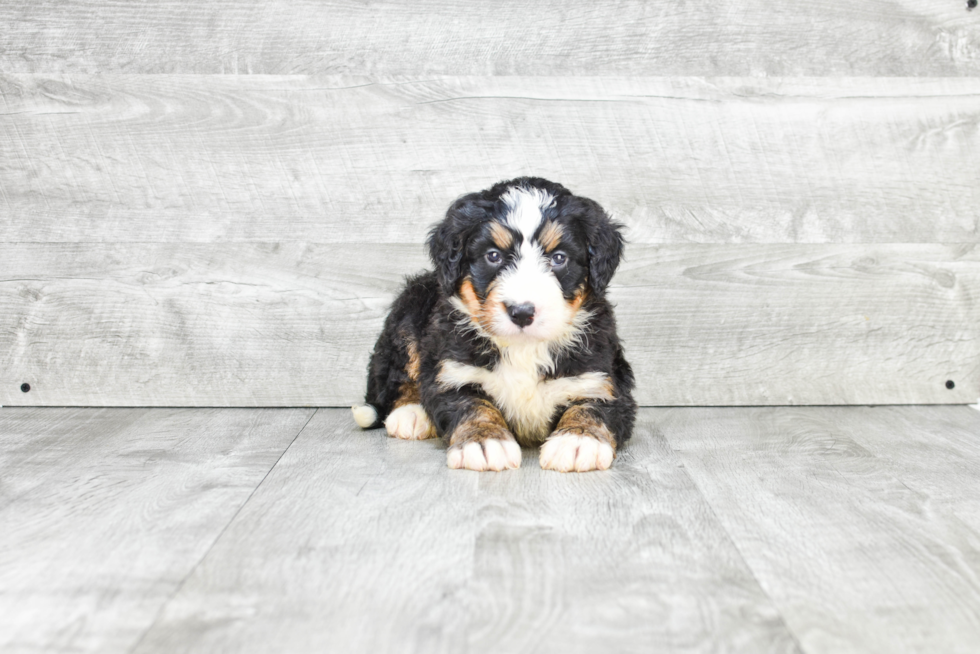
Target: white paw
column 489, row 454
column 409, row 421
column 574, row 452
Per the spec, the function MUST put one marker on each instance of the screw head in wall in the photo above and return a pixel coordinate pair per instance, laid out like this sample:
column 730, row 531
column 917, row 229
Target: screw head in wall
column 25, row 387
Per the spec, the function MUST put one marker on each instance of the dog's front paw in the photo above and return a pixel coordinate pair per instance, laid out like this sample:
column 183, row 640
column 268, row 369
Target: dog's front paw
column 411, row 422
column 581, row 442
column 575, row 451
column 485, row 454
column 482, row 441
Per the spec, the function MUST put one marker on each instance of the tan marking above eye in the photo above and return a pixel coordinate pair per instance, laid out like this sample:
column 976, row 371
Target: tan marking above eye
column 501, row 236
column 550, row 236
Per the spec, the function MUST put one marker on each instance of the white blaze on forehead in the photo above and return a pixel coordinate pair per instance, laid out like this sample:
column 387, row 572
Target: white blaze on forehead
column 526, row 206
column 530, row 280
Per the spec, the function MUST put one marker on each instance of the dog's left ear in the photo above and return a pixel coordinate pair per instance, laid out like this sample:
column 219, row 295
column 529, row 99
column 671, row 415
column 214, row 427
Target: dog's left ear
column 447, row 240
column 605, row 240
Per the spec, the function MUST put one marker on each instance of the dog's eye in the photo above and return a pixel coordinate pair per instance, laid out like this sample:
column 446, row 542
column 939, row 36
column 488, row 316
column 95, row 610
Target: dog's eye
column 558, row 259
column 493, row 256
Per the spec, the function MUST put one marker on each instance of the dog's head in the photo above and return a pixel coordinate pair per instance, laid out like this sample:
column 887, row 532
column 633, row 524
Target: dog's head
column 522, row 257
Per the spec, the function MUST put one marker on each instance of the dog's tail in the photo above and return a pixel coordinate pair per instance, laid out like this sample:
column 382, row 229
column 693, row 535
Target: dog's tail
column 366, row 416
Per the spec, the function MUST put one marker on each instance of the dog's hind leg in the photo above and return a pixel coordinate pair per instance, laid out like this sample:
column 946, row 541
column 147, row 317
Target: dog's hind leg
column 388, row 376
column 408, row 419
column 393, row 390
column 392, row 395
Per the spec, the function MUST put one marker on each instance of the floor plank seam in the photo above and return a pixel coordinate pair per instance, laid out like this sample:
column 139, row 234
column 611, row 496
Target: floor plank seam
column 741, row 556
column 190, row 573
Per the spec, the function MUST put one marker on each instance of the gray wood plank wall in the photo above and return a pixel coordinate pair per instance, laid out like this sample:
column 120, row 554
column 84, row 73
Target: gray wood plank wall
column 511, row 37
column 279, row 324
column 176, row 158
column 799, row 187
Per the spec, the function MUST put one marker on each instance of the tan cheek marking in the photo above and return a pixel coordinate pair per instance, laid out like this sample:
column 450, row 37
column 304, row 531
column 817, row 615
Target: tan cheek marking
column 486, row 314
column 482, row 313
column 468, row 296
column 581, row 294
column 501, row 236
column 551, row 236
column 580, row 419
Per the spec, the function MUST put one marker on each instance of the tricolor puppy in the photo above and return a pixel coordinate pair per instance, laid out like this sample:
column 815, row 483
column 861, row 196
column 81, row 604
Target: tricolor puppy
column 510, row 340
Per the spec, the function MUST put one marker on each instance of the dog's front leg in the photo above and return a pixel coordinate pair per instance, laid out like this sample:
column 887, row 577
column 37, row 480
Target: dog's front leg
column 581, row 442
column 479, row 438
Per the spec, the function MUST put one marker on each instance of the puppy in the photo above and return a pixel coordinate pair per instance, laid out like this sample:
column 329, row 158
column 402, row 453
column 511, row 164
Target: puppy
column 510, row 340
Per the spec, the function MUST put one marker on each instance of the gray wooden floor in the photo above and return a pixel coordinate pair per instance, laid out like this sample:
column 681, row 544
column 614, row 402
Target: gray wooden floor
column 813, row 529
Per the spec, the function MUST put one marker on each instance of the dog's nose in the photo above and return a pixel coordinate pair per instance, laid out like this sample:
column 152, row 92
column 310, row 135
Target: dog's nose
column 521, row 315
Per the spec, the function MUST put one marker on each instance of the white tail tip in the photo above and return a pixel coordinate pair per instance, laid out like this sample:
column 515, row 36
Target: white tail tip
column 365, row 415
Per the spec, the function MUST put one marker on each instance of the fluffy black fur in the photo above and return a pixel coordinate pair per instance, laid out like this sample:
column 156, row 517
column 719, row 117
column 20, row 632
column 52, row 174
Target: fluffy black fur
column 424, row 318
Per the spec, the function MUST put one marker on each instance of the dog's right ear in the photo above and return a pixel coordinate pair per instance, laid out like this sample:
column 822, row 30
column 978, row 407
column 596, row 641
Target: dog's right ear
column 447, row 240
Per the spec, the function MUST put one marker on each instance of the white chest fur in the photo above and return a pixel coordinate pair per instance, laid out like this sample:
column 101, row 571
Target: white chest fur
column 519, row 389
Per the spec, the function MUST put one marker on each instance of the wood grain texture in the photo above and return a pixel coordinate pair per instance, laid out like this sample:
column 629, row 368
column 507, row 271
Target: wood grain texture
column 357, row 542
column 104, row 513
column 198, row 158
column 422, row 37
column 798, row 529
column 860, row 549
column 802, row 324
column 293, row 324
column 932, row 450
